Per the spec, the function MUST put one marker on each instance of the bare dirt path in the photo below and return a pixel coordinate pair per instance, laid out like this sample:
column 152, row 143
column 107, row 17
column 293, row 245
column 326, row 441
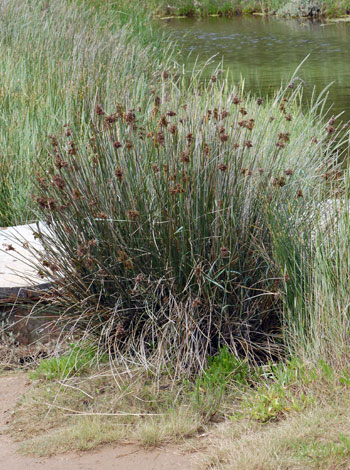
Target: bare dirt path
column 119, row 457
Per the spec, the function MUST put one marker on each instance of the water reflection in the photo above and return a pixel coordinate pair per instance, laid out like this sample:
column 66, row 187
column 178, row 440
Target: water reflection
column 266, row 51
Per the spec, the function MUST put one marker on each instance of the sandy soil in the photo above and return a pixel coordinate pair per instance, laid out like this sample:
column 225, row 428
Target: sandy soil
column 107, row 458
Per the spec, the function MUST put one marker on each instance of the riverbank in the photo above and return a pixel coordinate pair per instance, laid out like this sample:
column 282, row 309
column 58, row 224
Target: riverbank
column 294, row 8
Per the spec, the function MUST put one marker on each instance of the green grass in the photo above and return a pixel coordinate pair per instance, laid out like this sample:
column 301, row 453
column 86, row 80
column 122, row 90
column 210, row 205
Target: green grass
column 77, row 360
column 56, row 60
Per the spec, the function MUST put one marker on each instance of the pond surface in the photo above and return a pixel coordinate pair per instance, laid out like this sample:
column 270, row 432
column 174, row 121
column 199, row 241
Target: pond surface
column 266, row 52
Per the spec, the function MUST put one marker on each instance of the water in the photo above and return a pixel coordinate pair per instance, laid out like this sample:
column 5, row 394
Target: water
column 266, row 52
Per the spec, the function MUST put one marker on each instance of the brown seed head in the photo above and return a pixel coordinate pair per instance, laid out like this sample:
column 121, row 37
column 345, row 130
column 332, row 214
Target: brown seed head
column 163, row 121
column 224, row 114
column 197, row 270
column 72, row 149
column 140, row 278
column 112, row 118
column 224, row 252
column 128, row 264
column 99, row 111
column 58, row 181
column 196, row 303
column 129, row 145
column 189, row 138
column 102, row 215
column 42, row 182
column 76, row 194
column 119, row 173
column 59, row 163
column 122, row 256
column 130, row 117
column 133, row 214
column 176, row 189
column 284, row 136
column 173, row 129
column 185, row 156
column 282, row 181
column 160, row 138
column 51, row 204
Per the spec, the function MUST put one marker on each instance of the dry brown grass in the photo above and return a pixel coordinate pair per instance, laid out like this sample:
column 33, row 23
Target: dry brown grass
column 317, row 438
column 84, row 412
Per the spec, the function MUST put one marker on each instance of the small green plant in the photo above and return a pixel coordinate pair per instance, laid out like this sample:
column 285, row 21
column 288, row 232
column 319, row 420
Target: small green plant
column 223, row 369
column 344, row 378
column 282, row 392
column 269, row 402
column 291, row 371
column 77, row 360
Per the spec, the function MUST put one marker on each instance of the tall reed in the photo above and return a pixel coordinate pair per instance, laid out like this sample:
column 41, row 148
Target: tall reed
column 315, row 258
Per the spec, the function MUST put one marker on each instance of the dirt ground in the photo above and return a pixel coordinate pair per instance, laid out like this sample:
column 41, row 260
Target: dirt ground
column 118, row 457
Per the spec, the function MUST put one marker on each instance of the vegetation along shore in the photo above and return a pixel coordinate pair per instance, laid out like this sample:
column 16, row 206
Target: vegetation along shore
column 229, row 8
column 198, row 244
